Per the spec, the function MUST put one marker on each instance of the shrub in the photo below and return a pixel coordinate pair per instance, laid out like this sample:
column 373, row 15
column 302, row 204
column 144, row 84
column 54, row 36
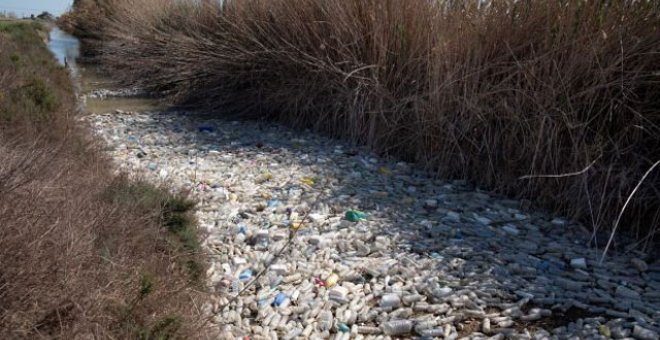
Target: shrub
column 84, row 253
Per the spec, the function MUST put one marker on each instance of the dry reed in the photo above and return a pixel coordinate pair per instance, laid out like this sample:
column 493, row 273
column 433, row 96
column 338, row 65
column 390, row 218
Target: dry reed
column 556, row 102
column 84, row 253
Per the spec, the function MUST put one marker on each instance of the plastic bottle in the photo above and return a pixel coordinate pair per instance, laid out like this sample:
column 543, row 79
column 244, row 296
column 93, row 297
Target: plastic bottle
column 368, row 330
column 424, row 325
column 397, row 327
column 409, row 299
column 369, row 316
column 293, row 333
column 236, row 286
column 325, row 320
column 390, row 300
column 245, row 275
column 279, row 299
column 355, row 215
column 343, row 328
column 331, row 280
column 435, row 332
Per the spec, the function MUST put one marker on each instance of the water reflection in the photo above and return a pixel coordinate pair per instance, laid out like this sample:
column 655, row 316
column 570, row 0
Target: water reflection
column 86, row 78
column 65, row 47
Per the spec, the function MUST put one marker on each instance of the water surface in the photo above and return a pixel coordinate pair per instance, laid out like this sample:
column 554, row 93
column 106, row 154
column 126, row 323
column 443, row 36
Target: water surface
column 66, row 49
column 64, row 46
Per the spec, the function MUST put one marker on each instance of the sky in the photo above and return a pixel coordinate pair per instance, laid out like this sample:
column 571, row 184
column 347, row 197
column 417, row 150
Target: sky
column 26, row 7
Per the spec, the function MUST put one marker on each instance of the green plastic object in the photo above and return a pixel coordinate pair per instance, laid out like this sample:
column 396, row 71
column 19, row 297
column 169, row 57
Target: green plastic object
column 343, row 328
column 355, row 216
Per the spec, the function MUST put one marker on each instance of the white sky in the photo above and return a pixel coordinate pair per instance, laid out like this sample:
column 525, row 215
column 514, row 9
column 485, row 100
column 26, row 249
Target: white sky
column 26, row 7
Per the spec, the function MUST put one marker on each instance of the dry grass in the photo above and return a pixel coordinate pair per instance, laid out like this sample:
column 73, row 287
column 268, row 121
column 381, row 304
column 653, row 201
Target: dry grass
column 84, row 254
column 557, row 102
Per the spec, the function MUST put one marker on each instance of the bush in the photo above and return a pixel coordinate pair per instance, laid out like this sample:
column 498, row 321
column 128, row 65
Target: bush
column 556, row 102
column 84, row 253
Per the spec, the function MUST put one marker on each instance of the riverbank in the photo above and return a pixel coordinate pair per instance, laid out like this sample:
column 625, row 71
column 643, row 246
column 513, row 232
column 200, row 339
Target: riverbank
column 85, row 253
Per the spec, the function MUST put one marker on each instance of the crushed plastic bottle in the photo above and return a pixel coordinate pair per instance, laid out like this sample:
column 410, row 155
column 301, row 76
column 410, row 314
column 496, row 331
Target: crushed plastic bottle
column 307, row 181
column 271, row 204
column 397, row 327
column 331, row 280
column 318, row 282
column 390, row 300
column 245, row 275
column 355, row 215
column 235, row 286
column 279, row 299
column 325, row 320
column 242, row 229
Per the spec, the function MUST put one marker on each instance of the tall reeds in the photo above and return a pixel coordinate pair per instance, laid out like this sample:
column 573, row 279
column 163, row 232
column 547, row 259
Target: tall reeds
column 553, row 101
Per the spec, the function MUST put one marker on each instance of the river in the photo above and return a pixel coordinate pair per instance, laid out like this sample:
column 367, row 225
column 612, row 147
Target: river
column 88, row 78
column 64, row 46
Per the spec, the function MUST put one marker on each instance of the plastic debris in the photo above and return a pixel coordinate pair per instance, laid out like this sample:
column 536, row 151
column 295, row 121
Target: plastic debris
column 245, row 275
column 397, row 327
column 385, row 171
column 319, row 282
column 307, row 181
column 325, row 320
column 434, row 257
column 390, row 300
column 273, row 204
column 279, row 299
column 331, row 280
column 604, row 331
column 355, row 215
column 204, row 127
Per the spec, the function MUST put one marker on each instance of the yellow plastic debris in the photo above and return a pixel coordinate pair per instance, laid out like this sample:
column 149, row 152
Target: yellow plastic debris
column 604, row 331
column 297, row 224
column 385, row 171
column 265, row 176
column 331, row 280
column 307, row 181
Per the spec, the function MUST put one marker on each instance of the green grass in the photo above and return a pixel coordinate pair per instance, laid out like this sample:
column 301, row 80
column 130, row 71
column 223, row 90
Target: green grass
column 38, row 89
column 22, row 31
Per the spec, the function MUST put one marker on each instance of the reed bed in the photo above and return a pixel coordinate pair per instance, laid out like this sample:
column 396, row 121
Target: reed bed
column 554, row 102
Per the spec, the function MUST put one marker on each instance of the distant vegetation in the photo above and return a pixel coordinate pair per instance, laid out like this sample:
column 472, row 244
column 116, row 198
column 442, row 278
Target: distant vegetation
column 84, row 253
column 553, row 101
